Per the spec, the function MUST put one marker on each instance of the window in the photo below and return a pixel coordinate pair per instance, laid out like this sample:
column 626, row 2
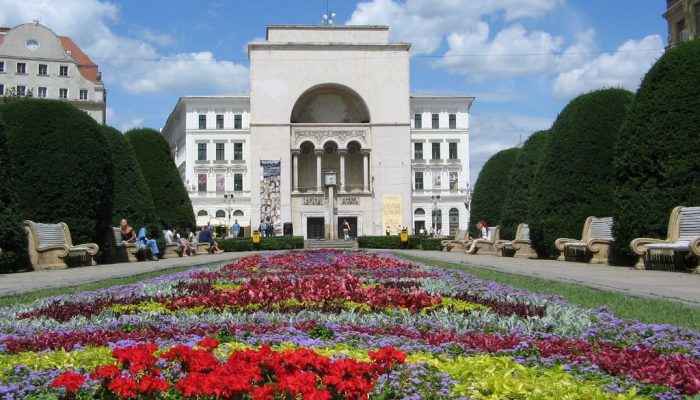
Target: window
column 63, row 70
column 418, row 121
column 219, row 151
column 418, row 151
column 2, row 66
column 21, row 68
column 237, row 182
column 238, row 151
column 62, row 93
column 202, row 182
column 453, row 121
column 21, row 90
column 418, row 181
column 202, row 213
column 43, row 69
column 201, row 151
column 454, row 180
column 202, row 121
column 219, row 121
column 238, row 213
column 453, row 220
column 2, row 89
column 41, row 92
column 436, row 151
column 453, row 151
column 220, row 214
column 238, row 121
column 681, row 32
column 83, row 94
column 436, row 121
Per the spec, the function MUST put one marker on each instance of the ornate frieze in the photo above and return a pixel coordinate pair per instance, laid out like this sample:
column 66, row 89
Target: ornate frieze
column 320, row 136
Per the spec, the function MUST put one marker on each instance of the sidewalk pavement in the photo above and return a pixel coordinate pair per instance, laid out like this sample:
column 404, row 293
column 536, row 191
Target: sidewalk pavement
column 677, row 286
column 25, row 282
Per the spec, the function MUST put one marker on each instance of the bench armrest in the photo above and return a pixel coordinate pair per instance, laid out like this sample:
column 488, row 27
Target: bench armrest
column 63, row 248
column 92, row 247
column 638, row 245
column 595, row 245
column 561, row 242
column 695, row 246
column 500, row 244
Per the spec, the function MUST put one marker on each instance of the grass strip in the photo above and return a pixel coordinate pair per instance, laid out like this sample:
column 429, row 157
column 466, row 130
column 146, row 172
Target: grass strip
column 648, row 310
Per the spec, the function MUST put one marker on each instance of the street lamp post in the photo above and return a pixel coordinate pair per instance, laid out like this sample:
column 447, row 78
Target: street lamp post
column 229, row 199
column 435, row 200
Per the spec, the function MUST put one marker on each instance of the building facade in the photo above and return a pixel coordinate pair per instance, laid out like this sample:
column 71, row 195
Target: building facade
column 35, row 61
column 329, row 133
column 683, row 17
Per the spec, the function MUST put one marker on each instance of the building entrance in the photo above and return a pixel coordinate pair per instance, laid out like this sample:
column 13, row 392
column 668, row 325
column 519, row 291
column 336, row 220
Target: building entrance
column 315, row 228
column 353, row 227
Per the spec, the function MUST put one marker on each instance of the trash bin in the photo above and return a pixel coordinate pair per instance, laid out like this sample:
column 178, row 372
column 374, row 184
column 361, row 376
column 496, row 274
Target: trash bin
column 287, row 229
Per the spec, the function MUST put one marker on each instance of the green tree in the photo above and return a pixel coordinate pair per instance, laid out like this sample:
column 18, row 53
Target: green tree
column 517, row 201
column 657, row 162
column 13, row 240
column 490, row 188
column 574, row 179
column 172, row 204
column 61, row 167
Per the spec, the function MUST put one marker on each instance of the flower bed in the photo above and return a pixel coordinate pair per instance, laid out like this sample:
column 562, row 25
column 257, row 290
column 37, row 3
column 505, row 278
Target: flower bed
column 334, row 325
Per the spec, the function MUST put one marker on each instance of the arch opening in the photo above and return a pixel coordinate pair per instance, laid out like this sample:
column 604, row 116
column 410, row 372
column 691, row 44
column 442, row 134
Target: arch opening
column 330, row 103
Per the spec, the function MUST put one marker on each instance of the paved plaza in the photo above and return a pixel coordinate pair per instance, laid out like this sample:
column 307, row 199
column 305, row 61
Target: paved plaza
column 675, row 286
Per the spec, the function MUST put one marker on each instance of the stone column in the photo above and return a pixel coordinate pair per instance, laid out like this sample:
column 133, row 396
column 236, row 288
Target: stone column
column 295, row 171
column 342, row 153
column 319, row 154
column 365, row 171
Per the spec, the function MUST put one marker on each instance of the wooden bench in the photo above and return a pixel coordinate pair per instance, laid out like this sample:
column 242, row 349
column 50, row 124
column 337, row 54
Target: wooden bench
column 520, row 247
column 594, row 245
column 681, row 245
column 51, row 247
column 126, row 252
column 461, row 237
column 483, row 246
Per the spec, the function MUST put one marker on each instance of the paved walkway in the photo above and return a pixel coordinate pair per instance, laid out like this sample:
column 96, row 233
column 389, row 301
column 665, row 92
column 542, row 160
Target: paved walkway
column 682, row 287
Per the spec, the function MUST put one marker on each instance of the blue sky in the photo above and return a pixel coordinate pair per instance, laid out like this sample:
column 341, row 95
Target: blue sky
column 522, row 59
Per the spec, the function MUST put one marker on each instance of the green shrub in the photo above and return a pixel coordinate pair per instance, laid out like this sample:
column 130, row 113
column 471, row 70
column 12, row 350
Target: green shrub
column 172, row 204
column 61, row 167
column 387, row 242
column 13, row 240
column 490, row 189
column 431, row 244
column 266, row 243
column 517, row 200
column 657, row 162
column 574, row 180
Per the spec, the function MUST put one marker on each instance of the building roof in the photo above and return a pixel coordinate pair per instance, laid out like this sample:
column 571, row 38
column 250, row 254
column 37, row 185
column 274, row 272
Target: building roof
column 3, row 31
column 87, row 68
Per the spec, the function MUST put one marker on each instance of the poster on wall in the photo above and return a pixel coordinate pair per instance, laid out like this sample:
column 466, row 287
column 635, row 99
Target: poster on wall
column 392, row 213
column 454, row 180
column 202, row 183
column 270, row 200
column 437, row 180
column 220, row 183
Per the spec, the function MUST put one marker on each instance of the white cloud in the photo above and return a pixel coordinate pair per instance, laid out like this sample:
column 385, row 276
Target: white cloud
column 159, row 39
column 131, row 124
column 623, row 68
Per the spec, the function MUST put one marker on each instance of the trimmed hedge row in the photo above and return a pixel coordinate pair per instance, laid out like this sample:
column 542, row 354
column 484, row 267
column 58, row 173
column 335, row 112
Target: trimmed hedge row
column 394, row 242
column 13, row 240
column 266, row 243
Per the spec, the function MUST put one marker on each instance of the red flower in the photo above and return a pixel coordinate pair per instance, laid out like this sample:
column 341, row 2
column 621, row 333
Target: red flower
column 208, row 343
column 124, row 387
column 69, row 380
column 105, row 372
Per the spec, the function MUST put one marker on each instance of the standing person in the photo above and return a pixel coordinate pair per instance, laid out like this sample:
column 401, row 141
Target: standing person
column 145, row 243
column 484, row 235
column 346, row 229
column 236, row 229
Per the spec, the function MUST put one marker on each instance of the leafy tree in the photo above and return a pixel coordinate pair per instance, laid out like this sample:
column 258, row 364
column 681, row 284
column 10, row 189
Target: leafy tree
column 657, row 162
column 61, row 167
column 13, row 240
column 490, row 188
column 172, row 204
column 517, row 201
column 573, row 181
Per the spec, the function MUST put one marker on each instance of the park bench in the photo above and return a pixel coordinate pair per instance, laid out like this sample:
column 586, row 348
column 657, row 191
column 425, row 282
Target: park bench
column 594, row 244
column 520, row 247
column 51, row 247
column 681, row 248
column 203, row 248
column 461, row 237
column 171, row 248
column 129, row 252
column 483, row 246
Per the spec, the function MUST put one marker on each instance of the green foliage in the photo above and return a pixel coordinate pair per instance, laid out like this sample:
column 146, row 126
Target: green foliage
column 656, row 165
column 394, row 242
column 573, row 181
column 13, row 240
column 172, row 204
column 431, row 244
column 266, row 243
column 61, row 167
column 517, row 201
column 490, row 189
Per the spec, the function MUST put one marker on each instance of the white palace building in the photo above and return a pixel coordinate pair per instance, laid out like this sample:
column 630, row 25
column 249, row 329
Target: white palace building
column 329, row 132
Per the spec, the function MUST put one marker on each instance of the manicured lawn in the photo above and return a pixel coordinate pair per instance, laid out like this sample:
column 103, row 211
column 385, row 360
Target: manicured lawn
column 652, row 311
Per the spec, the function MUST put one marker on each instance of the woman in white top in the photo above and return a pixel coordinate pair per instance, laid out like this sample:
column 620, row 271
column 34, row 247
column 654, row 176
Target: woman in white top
column 484, row 235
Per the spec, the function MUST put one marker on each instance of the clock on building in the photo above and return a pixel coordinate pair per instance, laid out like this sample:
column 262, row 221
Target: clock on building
column 32, row 44
column 329, row 178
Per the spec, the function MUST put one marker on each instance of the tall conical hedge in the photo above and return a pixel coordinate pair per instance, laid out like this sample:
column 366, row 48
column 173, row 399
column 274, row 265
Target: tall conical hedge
column 13, row 240
column 657, row 160
column 61, row 167
column 574, row 180
column 172, row 204
column 490, row 189
column 517, row 201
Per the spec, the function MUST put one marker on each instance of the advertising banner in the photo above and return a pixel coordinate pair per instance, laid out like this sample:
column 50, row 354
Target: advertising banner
column 270, row 200
column 392, row 213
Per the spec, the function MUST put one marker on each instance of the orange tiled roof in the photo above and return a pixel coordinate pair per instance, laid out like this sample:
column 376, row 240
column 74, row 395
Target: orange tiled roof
column 87, row 68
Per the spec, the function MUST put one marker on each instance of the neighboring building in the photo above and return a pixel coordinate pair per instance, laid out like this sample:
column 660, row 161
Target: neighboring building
column 329, row 132
column 683, row 17
column 33, row 59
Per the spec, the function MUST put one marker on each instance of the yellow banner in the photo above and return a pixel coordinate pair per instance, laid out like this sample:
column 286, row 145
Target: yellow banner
column 392, row 213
